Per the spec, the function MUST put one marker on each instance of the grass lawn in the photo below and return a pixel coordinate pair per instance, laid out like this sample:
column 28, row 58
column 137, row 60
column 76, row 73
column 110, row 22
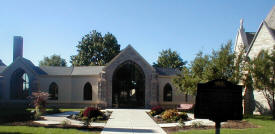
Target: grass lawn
column 266, row 126
column 39, row 130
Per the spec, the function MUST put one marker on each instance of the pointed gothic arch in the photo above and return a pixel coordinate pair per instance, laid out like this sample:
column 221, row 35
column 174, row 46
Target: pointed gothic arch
column 167, row 93
column 53, row 91
column 88, row 91
column 19, row 85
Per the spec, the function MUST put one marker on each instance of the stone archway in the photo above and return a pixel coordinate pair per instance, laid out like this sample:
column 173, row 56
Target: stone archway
column 19, row 85
column 128, row 85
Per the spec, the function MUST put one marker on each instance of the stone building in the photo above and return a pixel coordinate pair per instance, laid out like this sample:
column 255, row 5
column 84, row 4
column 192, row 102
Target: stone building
column 253, row 43
column 127, row 81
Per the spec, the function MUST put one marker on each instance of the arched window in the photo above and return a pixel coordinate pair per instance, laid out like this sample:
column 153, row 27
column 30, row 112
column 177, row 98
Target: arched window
column 53, row 91
column 88, row 92
column 20, row 85
column 167, row 92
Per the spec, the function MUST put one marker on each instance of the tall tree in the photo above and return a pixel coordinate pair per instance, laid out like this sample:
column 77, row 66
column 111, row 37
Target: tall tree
column 263, row 70
column 187, row 81
column 169, row 59
column 218, row 65
column 54, row 60
column 94, row 49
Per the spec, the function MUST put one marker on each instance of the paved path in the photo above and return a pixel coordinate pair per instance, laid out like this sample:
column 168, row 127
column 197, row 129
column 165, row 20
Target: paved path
column 131, row 121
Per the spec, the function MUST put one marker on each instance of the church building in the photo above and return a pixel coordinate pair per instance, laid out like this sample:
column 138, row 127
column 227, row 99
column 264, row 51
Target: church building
column 253, row 43
column 127, row 81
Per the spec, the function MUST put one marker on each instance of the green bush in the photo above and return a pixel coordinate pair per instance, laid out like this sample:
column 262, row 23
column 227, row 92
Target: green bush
column 173, row 115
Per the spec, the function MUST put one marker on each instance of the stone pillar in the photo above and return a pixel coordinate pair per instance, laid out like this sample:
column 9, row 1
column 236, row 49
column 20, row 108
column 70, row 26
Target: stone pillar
column 154, row 90
column 102, row 86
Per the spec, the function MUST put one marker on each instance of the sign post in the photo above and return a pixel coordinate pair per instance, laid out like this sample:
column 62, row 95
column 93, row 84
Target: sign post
column 219, row 101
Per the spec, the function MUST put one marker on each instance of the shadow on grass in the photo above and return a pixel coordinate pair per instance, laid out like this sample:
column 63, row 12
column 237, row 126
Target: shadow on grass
column 259, row 117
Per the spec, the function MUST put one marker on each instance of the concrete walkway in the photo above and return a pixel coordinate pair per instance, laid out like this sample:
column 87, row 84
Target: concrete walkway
column 131, row 121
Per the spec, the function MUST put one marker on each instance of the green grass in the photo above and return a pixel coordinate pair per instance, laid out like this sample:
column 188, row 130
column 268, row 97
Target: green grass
column 39, row 130
column 266, row 126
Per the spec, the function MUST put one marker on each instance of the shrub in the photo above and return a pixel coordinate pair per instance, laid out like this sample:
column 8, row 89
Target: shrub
column 92, row 112
column 173, row 115
column 183, row 116
column 169, row 114
column 156, row 110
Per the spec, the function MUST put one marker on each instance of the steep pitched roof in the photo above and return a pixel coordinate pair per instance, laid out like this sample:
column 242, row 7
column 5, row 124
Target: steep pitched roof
column 128, row 51
column 270, row 18
column 167, row 71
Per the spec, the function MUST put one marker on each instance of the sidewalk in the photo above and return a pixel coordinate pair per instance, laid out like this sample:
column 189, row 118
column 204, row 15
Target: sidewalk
column 131, row 121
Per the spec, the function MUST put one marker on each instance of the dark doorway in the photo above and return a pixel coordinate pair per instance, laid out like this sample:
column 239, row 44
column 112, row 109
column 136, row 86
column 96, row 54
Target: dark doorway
column 19, row 85
column 128, row 86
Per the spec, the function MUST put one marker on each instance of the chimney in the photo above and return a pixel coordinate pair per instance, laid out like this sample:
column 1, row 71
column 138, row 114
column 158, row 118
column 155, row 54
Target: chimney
column 17, row 47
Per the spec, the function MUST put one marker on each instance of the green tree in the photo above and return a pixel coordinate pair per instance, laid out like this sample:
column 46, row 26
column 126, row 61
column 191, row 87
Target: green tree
column 218, row 65
column 94, row 49
column 54, row 60
column 169, row 59
column 263, row 71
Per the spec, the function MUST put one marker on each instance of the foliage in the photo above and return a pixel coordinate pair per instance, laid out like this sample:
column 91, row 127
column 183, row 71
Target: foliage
column 156, row 110
column 92, row 112
column 39, row 100
column 169, row 59
column 86, row 121
column 263, row 71
column 217, row 65
column 173, row 115
column 54, row 60
column 94, row 49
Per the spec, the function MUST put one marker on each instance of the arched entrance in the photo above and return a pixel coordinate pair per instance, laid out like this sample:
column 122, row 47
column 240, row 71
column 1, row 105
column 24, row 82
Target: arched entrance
column 128, row 86
column 19, row 85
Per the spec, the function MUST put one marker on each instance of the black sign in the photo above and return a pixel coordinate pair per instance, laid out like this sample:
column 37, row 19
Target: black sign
column 219, row 100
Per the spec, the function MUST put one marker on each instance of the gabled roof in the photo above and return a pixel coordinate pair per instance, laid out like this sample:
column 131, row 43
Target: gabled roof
column 128, row 51
column 27, row 64
column 255, row 36
column 270, row 18
column 167, row 71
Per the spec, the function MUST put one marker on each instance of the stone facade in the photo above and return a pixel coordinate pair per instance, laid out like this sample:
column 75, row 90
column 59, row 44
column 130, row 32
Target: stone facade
column 71, row 80
column 253, row 43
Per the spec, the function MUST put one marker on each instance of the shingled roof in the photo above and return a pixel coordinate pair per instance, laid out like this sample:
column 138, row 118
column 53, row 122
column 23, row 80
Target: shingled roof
column 67, row 71
column 167, row 71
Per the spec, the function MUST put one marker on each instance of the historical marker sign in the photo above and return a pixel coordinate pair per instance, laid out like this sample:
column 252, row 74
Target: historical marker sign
column 219, row 100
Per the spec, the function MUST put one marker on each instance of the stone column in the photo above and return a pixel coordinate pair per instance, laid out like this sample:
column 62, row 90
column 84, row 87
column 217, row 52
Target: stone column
column 102, row 90
column 154, row 90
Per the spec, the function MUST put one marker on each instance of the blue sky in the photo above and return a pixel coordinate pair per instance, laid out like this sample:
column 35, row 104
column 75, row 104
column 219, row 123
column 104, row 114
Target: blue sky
column 55, row 26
